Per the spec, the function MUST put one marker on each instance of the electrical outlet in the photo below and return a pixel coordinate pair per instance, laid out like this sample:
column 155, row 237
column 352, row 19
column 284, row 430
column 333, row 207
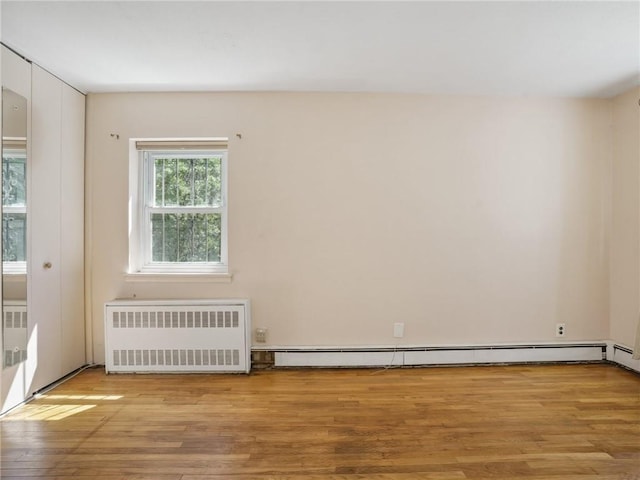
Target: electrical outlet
column 561, row 329
column 398, row 330
column 261, row 335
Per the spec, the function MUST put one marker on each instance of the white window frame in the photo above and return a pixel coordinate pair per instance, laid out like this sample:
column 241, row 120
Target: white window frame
column 140, row 209
column 17, row 267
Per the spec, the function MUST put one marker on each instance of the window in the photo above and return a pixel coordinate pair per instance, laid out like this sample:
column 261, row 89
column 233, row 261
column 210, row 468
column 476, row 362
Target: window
column 14, row 210
column 180, row 222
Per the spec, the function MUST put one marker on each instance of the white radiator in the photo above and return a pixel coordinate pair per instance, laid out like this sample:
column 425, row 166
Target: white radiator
column 177, row 336
column 14, row 320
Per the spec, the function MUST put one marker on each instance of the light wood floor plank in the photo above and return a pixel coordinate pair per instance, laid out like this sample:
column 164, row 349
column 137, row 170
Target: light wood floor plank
column 553, row 422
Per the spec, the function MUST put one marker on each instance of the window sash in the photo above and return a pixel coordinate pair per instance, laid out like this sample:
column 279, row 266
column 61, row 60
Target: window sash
column 152, row 193
column 181, row 230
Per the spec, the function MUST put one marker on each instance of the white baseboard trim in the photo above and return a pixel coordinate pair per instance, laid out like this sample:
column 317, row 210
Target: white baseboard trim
column 437, row 355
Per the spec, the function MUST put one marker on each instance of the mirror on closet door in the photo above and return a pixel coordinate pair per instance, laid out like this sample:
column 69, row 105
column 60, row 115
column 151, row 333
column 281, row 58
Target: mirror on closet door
column 14, row 228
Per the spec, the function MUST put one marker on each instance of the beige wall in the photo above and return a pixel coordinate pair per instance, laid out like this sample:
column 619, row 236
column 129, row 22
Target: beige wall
column 472, row 220
column 625, row 238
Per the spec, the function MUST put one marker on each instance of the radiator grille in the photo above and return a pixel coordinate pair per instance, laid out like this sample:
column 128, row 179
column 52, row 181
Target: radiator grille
column 13, row 357
column 14, row 318
column 189, row 319
column 174, row 337
column 182, row 357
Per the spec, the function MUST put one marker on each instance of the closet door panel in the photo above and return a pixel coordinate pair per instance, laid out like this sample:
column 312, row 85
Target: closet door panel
column 45, row 226
column 72, row 233
column 16, row 380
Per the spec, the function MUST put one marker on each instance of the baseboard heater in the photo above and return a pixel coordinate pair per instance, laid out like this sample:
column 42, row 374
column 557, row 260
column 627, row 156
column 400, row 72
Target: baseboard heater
column 178, row 336
column 449, row 355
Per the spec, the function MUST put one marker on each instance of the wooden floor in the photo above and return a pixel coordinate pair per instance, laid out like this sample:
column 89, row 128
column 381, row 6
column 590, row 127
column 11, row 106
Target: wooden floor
column 563, row 422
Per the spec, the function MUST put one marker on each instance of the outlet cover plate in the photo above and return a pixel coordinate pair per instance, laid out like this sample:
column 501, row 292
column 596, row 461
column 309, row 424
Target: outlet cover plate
column 398, row 330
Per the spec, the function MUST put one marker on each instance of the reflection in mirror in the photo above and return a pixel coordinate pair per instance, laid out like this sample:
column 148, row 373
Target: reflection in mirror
column 14, row 228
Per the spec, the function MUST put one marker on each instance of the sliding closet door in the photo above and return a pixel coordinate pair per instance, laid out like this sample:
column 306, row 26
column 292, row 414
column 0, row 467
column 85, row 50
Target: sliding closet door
column 46, row 128
column 15, row 376
column 57, row 246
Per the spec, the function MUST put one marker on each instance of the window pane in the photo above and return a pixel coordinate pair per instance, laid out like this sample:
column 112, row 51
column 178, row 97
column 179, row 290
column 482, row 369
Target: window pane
column 14, row 239
column 200, row 178
column 213, row 188
column 159, row 181
column 13, row 181
column 188, row 182
column 168, row 171
column 185, row 182
column 188, row 237
column 157, row 237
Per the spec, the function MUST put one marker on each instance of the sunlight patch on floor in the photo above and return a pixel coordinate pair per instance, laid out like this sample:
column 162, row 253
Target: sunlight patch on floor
column 80, row 397
column 46, row 412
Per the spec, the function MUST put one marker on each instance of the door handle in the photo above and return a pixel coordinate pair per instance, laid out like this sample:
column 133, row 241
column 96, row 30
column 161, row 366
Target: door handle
column 47, row 265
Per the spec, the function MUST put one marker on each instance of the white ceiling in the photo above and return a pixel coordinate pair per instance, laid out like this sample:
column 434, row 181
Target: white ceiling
column 584, row 49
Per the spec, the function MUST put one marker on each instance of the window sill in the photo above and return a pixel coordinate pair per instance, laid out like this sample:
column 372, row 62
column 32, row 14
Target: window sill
column 18, row 270
column 177, row 277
